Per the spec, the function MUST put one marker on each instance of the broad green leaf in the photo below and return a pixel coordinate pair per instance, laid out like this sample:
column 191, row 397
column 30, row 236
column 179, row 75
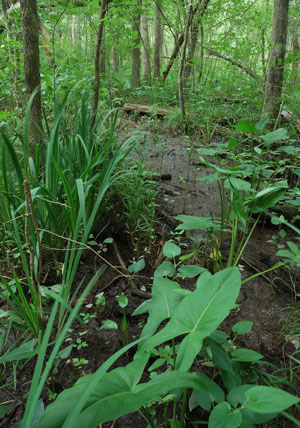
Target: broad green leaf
column 164, row 302
column 116, row 394
column 4, row 410
column 64, row 353
column 190, row 222
column 206, row 395
column 242, row 327
column 199, row 314
column 266, row 399
column 113, row 403
column 239, row 207
column 26, row 350
column 108, row 241
column 109, row 325
column 272, row 137
column 3, row 115
column 232, row 143
column 123, row 301
column 219, row 357
column 244, row 125
column 261, row 124
column 165, row 269
column 157, row 363
column 190, row 271
column 246, row 355
column 209, row 178
column 237, row 396
column 268, row 197
column 223, row 416
column 171, row 250
column 142, row 309
column 240, row 184
column 219, row 336
column 136, row 266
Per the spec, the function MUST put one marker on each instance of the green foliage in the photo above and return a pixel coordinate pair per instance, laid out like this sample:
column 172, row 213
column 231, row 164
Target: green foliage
column 191, row 318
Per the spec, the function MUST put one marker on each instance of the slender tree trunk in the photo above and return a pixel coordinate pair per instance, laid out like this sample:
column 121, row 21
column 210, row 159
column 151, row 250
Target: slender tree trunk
column 192, row 48
column 158, row 37
column 102, row 54
column 273, row 89
column 136, row 51
column 114, row 57
column 296, row 51
column 146, row 68
column 202, row 8
column 201, row 52
column 73, row 29
column 103, row 10
column 182, row 59
column 263, row 55
column 30, row 27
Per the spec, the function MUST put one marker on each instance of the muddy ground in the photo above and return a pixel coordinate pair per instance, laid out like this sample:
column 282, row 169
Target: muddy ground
column 263, row 300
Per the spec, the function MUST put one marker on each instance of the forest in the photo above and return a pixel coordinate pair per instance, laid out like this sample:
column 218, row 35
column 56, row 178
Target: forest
column 149, row 213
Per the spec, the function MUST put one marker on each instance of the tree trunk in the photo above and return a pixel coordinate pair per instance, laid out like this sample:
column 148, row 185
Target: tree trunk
column 202, row 8
column 201, row 53
column 192, row 48
column 263, row 56
column 103, row 10
column 114, row 57
column 273, row 90
column 158, row 37
column 182, row 59
column 73, row 29
column 102, row 54
column 146, row 69
column 30, row 27
column 296, row 51
column 136, row 52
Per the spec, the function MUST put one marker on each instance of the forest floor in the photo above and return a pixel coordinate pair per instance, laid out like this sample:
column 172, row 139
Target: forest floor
column 264, row 300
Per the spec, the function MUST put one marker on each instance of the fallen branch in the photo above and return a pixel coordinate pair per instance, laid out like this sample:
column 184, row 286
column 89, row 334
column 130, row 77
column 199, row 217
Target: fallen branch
column 151, row 110
column 233, row 62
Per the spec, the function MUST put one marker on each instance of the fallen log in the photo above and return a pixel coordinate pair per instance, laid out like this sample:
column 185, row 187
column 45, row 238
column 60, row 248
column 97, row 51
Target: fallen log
column 143, row 109
column 288, row 115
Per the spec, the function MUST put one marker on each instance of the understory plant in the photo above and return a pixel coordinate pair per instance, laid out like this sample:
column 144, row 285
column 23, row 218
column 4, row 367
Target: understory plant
column 50, row 202
column 249, row 186
column 181, row 337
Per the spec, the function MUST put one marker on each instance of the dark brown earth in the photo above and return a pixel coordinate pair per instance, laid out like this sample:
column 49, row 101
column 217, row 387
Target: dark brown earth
column 263, row 300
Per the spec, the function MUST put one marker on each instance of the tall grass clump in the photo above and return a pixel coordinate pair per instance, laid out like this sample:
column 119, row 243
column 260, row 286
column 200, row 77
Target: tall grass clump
column 50, row 202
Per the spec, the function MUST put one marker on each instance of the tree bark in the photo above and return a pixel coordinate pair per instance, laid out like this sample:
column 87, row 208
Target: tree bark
column 274, row 84
column 202, row 8
column 136, row 52
column 201, row 53
column 157, row 40
column 146, row 69
column 102, row 54
column 296, row 51
column 192, row 48
column 182, row 59
column 30, row 27
column 103, row 10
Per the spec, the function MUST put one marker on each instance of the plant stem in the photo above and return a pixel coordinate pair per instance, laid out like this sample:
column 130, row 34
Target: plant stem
column 146, row 415
column 183, row 408
column 277, row 265
column 233, row 241
column 240, row 251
